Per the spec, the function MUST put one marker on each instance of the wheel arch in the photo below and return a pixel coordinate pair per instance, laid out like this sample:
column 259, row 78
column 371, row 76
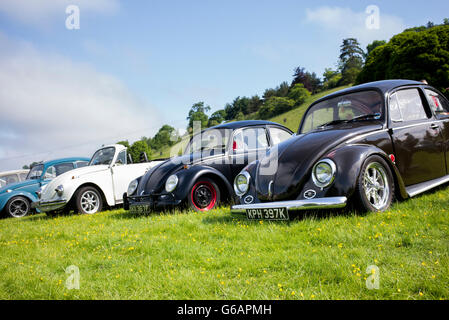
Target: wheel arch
column 88, row 184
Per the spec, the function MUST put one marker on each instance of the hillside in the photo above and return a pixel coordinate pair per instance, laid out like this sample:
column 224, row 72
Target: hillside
column 290, row 119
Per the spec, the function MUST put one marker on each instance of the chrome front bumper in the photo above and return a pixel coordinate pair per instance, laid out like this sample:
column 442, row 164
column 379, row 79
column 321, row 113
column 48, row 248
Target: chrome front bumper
column 49, row 205
column 295, row 205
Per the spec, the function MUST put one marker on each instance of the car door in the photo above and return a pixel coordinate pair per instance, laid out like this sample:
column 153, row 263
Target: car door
column 248, row 144
column 416, row 136
column 440, row 107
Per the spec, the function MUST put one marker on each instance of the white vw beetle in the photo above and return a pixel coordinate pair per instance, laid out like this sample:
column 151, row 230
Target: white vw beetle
column 103, row 181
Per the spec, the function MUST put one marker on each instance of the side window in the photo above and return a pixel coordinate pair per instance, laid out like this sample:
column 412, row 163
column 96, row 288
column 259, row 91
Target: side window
column 63, row 168
column 23, row 176
column 50, row 173
column 250, row 139
column 395, row 112
column 121, row 158
column 410, row 105
column 278, row 135
column 438, row 104
column 80, row 164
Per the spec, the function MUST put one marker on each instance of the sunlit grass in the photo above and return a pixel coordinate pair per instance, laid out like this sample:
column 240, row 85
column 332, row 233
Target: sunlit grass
column 217, row 256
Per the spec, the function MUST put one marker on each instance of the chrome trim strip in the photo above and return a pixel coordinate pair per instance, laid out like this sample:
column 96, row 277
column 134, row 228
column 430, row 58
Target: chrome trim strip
column 312, row 204
column 363, row 136
column 45, row 204
column 426, row 186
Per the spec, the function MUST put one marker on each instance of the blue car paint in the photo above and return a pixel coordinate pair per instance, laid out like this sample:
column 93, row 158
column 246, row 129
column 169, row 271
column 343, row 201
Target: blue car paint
column 28, row 188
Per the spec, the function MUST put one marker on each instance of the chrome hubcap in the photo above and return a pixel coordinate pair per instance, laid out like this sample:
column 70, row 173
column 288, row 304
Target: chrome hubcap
column 19, row 208
column 90, row 202
column 375, row 183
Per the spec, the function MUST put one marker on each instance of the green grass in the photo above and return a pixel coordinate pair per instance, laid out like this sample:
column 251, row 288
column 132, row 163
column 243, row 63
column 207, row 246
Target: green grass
column 218, row 256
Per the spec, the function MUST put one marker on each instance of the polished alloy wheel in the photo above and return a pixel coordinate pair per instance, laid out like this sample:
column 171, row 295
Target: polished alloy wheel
column 90, row 202
column 376, row 185
column 19, row 208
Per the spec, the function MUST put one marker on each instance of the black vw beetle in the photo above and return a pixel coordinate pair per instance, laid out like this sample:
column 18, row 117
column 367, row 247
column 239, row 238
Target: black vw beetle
column 362, row 145
column 203, row 176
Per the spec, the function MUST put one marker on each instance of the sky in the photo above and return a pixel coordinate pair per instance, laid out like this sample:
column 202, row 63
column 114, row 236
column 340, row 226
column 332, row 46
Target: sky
column 132, row 66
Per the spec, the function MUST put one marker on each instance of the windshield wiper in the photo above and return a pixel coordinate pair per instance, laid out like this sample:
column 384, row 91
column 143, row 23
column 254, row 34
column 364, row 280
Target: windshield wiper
column 332, row 123
column 375, row 116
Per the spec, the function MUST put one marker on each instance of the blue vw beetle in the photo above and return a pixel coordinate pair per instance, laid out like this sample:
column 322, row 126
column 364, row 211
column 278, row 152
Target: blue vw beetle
column 15, row 199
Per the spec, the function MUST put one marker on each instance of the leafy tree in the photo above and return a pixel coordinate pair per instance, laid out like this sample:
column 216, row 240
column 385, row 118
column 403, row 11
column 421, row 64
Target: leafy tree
column 275, row 106
column 165, row 137
column 331, row 79
column 254, row 104
column 216, row 118
column 299, row 94
column 446, row 21
column 137, row 148
column 374, row 45
column 124, row 143
column 351, row 60
column 412, row 55
column 310, row 80
column 198, row 113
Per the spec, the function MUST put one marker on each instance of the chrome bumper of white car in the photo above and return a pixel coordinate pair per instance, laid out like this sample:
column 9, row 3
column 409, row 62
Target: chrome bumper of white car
column 49, row 205
column 312, row 204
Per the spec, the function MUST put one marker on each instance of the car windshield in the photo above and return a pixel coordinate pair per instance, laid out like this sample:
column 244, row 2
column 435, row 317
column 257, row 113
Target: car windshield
column 358, row 106
column 103, row 157
column 35, row 172
column 208, row 140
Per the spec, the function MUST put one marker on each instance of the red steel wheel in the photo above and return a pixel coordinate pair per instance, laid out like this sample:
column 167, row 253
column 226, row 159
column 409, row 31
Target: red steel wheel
column 204, row 195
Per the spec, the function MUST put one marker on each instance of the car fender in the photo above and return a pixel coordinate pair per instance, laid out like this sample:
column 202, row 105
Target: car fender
column 350, row 159
column 188, row 177
column 4, row 198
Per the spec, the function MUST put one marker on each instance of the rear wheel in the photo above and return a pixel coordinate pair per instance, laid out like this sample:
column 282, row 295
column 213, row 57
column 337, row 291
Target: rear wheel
column 88, row 200
column 375, row 187
column 204, row 195
column 17, row 207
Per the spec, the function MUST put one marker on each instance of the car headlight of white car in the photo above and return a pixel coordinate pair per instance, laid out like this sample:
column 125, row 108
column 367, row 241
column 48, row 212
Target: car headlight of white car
column 171, row 183
column 60, row 190
column 132, row 187
column 324, row 173
column 241, row 183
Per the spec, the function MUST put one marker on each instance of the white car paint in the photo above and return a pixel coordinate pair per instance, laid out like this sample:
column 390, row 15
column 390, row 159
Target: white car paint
column 112, row 180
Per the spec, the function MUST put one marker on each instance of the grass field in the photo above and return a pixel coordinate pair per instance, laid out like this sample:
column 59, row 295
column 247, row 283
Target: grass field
column 217, row 256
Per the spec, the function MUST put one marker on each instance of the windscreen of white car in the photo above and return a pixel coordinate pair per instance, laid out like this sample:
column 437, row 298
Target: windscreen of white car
column 103, row 157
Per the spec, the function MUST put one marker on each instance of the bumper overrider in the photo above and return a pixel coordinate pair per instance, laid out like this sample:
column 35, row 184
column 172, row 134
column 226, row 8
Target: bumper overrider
column 148, row 203
column 49, row 205
column 265, row 210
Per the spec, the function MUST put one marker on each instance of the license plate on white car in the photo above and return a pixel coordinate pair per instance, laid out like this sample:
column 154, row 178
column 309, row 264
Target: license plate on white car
column 140, row 209
column 274, row 214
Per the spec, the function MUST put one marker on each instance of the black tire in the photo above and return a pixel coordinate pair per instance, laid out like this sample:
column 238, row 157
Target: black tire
column 375, row 186
column 88, row 200
column 204, row 195
column 17, row 207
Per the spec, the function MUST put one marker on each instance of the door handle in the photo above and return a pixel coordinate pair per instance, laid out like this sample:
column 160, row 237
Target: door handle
column 434, row 126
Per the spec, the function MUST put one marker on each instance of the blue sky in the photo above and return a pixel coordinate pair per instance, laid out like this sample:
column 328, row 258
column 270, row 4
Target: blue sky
column 160, row 57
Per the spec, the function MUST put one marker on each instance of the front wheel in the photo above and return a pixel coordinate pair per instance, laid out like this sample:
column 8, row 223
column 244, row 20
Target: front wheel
column 88, row 200
column 204, row 195
column 17, row 207
column 375, row 187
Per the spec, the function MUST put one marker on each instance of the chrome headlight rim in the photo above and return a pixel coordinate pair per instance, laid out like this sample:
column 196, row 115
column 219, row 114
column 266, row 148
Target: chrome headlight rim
column 329, row 181
column 59, row 190
column 171, row 183
column 238, row 191
column 132, row 187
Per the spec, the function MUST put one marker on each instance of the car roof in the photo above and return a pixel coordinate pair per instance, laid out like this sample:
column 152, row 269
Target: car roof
column 5, row 173
column 384, row 86
column 56, row 161
column 245, row 123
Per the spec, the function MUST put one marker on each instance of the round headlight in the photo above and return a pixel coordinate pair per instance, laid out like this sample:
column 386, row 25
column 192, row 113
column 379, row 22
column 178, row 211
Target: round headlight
column 241, row 183
column 59, row 190
column 171, row 183
column 132, row 187
column 324, row 173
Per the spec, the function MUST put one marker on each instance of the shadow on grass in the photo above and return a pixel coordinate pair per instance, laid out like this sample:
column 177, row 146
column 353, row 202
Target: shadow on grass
column 127, row 215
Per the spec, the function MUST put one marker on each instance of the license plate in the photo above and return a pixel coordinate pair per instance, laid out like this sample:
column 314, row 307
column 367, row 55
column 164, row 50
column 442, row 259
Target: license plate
column 275, row 214
column 140, row 209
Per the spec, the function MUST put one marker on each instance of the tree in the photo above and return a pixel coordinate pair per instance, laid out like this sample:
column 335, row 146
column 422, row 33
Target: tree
column 216, row 118
column 254, row 104
column 351, row 60
column 411, row 55
column 331, row 78
column 198, row 113
column 446, row 21
column 165, row 137
column 310, row 80
column 275, row 106
column 374, row 45
column 299, row 94
column 137, row 148
column 124, row 143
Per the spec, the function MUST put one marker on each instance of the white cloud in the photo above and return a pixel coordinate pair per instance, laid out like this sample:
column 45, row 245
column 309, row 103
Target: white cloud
column 348, row 23
column 51, row 107
column 42, row 12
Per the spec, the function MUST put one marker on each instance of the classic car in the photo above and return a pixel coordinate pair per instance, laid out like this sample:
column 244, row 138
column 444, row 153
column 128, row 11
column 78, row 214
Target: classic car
column 8, row 177
column 16, row 198
column 362, row 145
column 89, row 189
column 203, row 175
